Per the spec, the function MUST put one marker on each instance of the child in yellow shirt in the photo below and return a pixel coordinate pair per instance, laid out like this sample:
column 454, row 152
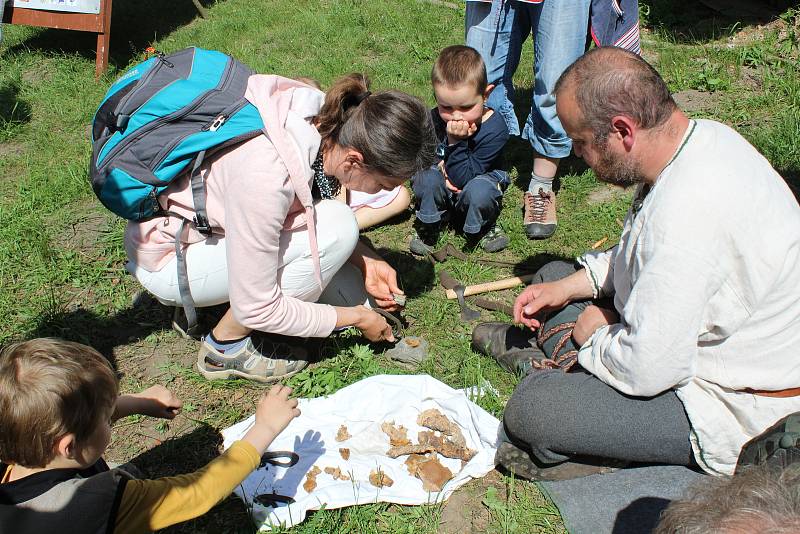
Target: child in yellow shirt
column 57, row 402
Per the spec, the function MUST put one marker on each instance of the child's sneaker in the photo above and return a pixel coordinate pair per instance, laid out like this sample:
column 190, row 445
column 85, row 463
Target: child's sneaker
column 494, row 240
column 265, row 362
column 423, row 238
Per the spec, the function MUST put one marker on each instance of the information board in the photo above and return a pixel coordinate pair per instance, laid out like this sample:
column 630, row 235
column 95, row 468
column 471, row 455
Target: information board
column 69, row 6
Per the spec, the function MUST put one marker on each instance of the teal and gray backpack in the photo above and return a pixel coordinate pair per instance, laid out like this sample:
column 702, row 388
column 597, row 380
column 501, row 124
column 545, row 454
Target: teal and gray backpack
column 162, row 118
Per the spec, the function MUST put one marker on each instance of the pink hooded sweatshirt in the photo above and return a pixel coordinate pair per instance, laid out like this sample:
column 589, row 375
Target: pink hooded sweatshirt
column 255, row 190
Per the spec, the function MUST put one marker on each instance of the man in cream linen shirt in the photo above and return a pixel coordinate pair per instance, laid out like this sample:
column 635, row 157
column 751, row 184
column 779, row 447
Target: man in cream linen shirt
column 697, row 349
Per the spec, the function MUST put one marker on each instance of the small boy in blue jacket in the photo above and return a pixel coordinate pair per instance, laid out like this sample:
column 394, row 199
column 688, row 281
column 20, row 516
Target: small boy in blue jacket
column 466, row 183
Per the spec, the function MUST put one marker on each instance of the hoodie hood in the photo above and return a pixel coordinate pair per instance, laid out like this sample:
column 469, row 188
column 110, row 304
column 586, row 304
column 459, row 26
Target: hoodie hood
column 286, row 107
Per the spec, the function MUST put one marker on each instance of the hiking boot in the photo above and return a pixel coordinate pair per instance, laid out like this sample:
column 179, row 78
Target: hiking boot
column 778, row 446
column 495, row 338
column 263, row 361
column 540, row 214
column 513, row 460
column 494, row 240
column 513, row 348
column 424, row 238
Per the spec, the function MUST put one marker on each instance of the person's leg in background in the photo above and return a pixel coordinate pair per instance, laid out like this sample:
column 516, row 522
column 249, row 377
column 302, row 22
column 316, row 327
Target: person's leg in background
column 559, row 38
column 367, row 216
column 488, row 29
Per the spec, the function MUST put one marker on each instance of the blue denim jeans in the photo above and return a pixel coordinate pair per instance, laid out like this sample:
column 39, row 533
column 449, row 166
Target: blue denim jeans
column 498, row 31
column 479, row 203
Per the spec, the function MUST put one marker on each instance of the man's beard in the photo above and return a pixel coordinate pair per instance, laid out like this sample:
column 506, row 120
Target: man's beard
column 614, row 169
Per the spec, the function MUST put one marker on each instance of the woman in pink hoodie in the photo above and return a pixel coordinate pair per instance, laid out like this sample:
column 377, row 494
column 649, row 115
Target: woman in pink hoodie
column 274, row 250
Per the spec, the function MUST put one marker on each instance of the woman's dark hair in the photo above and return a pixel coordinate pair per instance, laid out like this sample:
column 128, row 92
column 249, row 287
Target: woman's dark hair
column 392, row 130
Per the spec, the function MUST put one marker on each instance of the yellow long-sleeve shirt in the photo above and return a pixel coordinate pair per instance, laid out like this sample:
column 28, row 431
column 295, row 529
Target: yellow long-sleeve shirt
column 149, row 505
column 44, row 500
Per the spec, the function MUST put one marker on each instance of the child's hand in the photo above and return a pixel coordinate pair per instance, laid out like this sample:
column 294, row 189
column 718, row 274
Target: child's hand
column 274, row 413
column 155, row 401
column 460, row 130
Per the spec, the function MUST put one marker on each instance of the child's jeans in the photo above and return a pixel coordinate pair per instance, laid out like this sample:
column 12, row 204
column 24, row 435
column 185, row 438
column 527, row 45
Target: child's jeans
column 479, row 202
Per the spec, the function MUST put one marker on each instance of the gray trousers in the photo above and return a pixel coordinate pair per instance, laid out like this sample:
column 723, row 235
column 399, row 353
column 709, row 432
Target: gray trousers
column 556, row 415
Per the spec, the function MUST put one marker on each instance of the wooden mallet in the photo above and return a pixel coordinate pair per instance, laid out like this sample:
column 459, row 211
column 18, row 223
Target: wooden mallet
column 497, row 285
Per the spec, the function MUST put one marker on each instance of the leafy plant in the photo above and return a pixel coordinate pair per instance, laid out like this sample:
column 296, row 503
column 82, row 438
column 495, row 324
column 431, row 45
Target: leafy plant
column 500, row 509
column 335, row 373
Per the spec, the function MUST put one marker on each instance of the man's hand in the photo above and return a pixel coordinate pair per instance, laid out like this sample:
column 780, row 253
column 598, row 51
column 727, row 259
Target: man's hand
column 539, row 298
column 155, row 401
column 380, row 280
column 590, row 319
column 459, row 130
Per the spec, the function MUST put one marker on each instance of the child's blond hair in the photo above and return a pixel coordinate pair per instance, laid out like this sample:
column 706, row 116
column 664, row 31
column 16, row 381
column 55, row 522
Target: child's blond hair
column 459, row 65
column 50, row 388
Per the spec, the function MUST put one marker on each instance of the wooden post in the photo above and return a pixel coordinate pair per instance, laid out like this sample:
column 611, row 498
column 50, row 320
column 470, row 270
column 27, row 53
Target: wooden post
column 85, row 22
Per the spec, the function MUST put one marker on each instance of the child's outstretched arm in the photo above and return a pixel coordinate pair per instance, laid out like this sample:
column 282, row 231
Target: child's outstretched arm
column 155, row 401
column 149, row 505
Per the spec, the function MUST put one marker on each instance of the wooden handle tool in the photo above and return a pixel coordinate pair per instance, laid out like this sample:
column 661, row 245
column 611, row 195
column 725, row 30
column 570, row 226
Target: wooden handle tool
column 497, row 285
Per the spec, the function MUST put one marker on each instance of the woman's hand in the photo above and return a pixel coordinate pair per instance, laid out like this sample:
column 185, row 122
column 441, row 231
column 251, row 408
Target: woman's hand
column 590, row 319
column 380, row 281
column 373, row 325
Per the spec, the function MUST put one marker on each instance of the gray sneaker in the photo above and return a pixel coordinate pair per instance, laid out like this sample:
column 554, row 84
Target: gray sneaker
column 424, row 238
column 494, row 240
column 268, row 362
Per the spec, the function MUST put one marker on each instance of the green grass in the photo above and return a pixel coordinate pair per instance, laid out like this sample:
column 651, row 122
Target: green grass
column 61, row 256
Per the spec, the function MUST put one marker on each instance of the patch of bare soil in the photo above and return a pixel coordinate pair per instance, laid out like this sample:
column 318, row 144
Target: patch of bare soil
column 605, row 193
column 148, row 362
column 41, row 74
column 10, row 149
column 693, row 101
column 464, row 512
column 749, row 34
column 84, row 229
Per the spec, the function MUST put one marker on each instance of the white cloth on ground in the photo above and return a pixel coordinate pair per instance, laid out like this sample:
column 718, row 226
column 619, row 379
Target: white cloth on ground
column 706, row 279
column 362, row 407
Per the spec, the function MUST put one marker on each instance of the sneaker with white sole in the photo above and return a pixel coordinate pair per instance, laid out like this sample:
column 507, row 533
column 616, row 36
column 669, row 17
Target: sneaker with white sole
column 264, row 361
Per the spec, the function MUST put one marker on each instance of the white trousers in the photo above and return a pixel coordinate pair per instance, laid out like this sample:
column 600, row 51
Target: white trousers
column 207, row 266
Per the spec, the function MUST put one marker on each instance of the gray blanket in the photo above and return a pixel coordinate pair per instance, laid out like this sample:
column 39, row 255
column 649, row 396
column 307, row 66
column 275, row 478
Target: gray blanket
column 628, row 501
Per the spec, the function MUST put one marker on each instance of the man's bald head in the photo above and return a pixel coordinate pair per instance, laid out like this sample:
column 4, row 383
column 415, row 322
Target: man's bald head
column 610, row 81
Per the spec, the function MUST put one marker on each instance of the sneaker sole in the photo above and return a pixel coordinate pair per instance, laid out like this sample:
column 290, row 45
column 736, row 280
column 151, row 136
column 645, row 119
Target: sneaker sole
column 232, row 374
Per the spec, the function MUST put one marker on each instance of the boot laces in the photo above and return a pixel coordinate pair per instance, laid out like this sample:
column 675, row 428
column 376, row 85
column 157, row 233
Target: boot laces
column 536, row 206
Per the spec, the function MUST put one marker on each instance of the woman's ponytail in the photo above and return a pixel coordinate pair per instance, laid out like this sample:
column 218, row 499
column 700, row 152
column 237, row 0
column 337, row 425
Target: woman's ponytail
column 340, row 100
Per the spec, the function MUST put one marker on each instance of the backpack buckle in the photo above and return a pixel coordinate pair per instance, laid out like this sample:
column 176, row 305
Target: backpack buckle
column 202, row 225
